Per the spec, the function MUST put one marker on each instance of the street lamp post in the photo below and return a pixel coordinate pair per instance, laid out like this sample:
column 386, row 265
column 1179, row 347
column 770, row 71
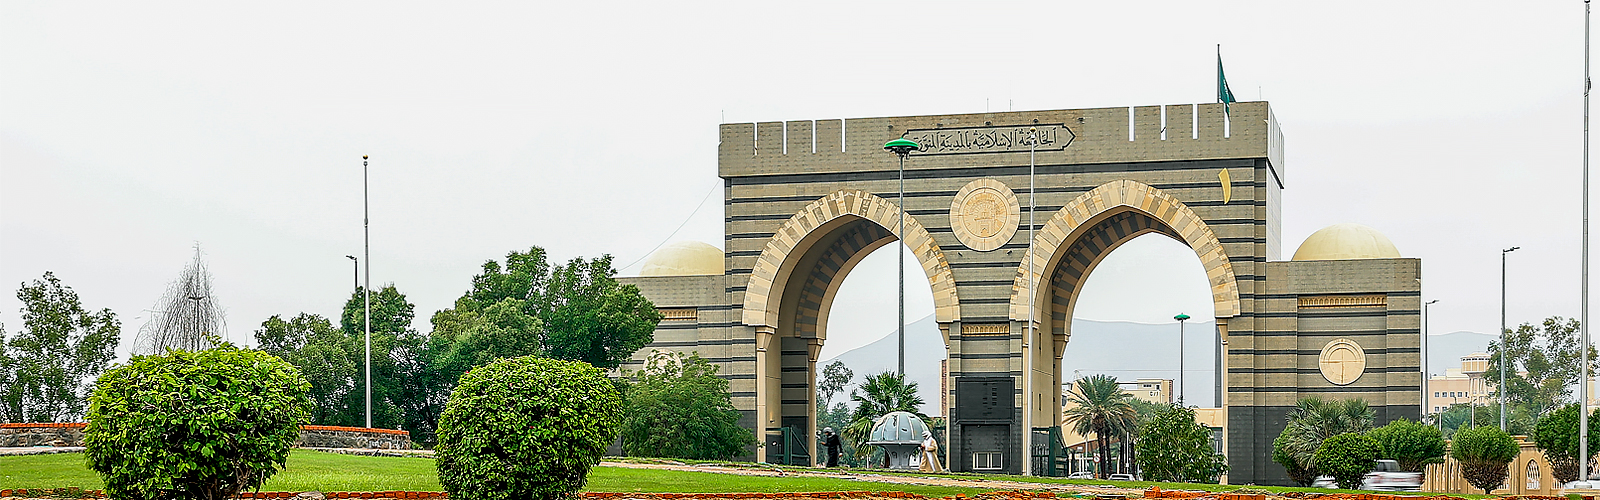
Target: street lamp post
column 1505, row 363
column 1425, row 400
column 355, row 264
column 1181, row 319
column 902, row 148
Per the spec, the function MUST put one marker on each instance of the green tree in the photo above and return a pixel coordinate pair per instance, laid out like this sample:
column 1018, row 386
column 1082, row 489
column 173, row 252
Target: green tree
column 835, row 378
column 194, row 425
column 1462, row 415
column 1484, row 452
column 1410, row 443
column 587, row 315
column 45, row 367
column 1284, row 454
column 1544, row 362
column 678, row 407
column 877, row 396
column 324, row 354
column 1557, row 436
column 833, row 381
column 1347, row 457
column 525, row 428
column 472, row 335
column 1314, row 420
column 1147, row 411
column 1173, row 447
column 1103, row 409
column 396, row 348
column 838, row 418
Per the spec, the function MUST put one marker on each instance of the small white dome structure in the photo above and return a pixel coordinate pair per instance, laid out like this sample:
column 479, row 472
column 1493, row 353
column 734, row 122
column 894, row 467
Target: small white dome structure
column 683, row 258
column 900, row 435
column 1345, row 242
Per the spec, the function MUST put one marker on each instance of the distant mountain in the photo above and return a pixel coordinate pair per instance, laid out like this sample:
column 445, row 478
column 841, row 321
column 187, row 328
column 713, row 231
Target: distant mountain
column 1445, row 351
column 924, row 350
column 1124, row 350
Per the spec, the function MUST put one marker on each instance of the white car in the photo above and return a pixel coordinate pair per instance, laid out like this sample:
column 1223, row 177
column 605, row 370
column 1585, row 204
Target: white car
column 1388, row 476
column 1081, row 475
column 1120, row 477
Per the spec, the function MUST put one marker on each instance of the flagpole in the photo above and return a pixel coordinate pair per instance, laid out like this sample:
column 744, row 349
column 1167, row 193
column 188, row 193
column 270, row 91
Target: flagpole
column 1583, row 323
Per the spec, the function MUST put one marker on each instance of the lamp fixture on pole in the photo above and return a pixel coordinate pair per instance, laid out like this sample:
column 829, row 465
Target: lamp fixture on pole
column 901, row 147
column 1505, row 363
column 1181, row 319
column 1425, row 401
column 355, row 264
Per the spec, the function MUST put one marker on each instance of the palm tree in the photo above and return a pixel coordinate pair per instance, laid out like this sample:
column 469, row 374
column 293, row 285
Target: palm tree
column 1102, row 408
column 1314, row 419
column 880, row 395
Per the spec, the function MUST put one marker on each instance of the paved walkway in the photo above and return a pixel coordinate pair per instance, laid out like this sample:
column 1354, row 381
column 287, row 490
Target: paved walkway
column 987, row 484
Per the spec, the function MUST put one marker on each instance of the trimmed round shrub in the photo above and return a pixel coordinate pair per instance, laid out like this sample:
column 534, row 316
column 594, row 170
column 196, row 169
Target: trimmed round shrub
column 203, row 425
column 525, row 428
column 1347, row 457
column 1412, row 444
column 1485, row 452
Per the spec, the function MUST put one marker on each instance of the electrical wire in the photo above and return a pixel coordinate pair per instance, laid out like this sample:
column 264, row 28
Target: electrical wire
column 680, row 226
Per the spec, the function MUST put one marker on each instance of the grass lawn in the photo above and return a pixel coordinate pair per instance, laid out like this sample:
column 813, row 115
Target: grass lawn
column 660, row 481
column 315, row 470
column 1119, row 484
column 307, row 470
column 321, row 471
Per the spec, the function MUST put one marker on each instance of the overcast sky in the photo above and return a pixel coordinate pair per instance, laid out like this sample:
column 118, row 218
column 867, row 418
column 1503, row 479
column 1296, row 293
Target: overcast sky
column 129, row 132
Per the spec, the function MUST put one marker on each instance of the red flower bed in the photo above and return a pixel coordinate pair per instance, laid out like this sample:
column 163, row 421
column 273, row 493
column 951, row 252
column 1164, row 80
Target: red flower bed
column 438, row 495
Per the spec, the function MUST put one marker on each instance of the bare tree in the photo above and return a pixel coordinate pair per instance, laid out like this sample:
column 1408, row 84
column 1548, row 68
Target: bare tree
column 187, row 317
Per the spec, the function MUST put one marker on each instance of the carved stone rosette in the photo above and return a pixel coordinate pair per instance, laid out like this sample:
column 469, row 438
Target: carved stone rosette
column 985, row 214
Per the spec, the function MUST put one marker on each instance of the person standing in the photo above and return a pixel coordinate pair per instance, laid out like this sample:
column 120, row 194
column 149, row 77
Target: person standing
column 831, row 445
column 930, row 454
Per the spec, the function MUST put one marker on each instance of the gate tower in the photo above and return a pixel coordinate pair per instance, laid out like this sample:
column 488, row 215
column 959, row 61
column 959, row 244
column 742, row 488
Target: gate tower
column 805, row 201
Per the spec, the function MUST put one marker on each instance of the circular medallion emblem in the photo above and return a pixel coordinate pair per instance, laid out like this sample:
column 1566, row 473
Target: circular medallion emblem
column 985, row 214
column 1342, row 361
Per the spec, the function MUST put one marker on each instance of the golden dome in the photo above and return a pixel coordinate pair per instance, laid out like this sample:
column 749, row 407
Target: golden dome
column 683, row 258
column 1346, row 241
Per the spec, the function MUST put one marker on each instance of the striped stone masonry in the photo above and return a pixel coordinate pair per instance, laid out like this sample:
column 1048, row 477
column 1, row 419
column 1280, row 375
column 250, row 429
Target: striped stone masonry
column 806, row 200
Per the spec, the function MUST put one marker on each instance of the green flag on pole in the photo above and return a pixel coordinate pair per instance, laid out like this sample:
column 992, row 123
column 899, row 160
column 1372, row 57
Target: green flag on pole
column 1224, row 95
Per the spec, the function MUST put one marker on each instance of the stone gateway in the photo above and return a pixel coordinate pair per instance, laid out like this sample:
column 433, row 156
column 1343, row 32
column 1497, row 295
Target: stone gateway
column 805, row 201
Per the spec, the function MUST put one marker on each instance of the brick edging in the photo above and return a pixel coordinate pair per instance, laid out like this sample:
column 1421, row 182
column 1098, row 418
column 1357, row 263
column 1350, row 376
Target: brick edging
column 439, row 495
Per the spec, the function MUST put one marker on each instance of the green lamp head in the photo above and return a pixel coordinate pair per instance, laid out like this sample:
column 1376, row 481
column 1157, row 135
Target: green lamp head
column 901, row 146
column 1181, row 317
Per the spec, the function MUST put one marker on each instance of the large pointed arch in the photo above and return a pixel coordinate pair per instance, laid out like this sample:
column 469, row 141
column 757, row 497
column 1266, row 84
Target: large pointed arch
column 793, row 241
column 1085, row 214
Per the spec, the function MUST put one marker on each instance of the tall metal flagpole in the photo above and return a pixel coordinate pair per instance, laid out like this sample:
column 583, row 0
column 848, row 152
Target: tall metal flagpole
column 1583, row 322
column 366, row 294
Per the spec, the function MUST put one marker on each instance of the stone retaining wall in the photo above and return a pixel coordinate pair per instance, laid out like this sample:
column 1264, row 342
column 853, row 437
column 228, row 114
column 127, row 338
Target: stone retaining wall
column 328, row 436
column 20, row 435
column 26, row 435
